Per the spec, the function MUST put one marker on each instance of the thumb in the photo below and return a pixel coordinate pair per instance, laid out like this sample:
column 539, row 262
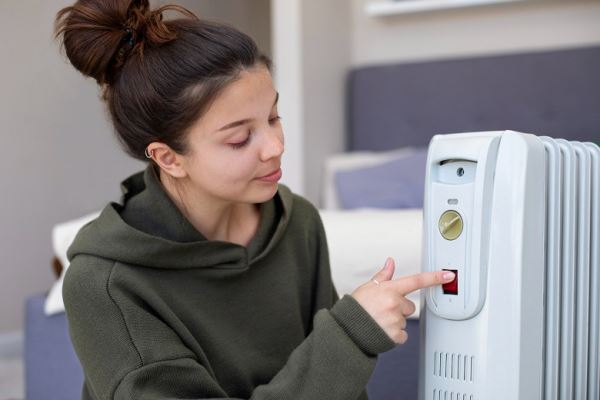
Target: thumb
column 387, row 272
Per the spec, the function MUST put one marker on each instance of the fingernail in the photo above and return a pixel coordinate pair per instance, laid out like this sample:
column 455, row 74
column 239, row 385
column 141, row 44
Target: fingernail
column 448, row 276
column 388, row 262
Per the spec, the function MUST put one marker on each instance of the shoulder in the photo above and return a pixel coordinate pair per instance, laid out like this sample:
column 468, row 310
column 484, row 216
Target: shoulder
column 98, row 325
column 87, row 276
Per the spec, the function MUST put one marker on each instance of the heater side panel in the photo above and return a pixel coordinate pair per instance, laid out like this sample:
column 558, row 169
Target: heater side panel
column 582, row 269
column 553, row 257
column 593, row 380
column 567, row 333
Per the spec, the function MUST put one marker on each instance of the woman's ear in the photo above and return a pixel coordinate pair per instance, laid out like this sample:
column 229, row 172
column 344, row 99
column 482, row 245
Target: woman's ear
column 167, row 159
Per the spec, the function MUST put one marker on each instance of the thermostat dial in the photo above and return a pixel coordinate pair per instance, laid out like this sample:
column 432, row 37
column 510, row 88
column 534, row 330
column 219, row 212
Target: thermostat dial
column 450, row 225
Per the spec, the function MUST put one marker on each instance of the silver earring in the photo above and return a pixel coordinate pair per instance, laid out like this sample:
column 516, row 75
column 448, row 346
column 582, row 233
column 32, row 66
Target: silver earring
column 148, row 154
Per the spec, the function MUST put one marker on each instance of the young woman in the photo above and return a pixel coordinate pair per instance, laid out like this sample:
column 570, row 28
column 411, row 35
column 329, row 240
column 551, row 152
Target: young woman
column 209, row 280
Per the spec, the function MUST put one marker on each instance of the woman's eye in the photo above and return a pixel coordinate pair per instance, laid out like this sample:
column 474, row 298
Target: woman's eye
column 240, row 144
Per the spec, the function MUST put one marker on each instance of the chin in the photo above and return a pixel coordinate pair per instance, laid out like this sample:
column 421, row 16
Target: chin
column 266, row 193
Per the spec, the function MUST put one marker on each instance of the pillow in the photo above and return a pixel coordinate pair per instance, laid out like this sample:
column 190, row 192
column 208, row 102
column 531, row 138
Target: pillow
column 359, row 242
column 63, row 235
column 399, row 183
column 353, row 160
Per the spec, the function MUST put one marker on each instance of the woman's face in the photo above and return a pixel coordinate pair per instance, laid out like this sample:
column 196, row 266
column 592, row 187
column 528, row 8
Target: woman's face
column 238, row 140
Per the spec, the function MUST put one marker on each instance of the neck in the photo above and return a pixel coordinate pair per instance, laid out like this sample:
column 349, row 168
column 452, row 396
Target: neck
column 214, row 218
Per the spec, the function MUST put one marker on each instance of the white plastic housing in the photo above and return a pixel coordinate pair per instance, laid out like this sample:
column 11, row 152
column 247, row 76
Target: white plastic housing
column 486, row 342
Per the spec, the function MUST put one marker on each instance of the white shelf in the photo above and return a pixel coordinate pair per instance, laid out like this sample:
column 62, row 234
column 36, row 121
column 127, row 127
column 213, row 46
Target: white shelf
column 390, row 7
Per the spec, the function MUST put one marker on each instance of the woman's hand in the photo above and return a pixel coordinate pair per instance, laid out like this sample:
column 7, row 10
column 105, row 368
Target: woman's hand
column 384, row 299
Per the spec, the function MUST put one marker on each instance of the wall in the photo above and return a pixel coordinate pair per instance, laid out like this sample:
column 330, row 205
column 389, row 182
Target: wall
column 327, row 53
column 252, row 17
column 502, row 28
column 311, row 48
column 288, row 80
column 60, row 159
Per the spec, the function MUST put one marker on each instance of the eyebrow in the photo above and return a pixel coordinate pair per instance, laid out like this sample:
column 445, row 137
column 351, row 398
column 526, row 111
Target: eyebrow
column 244, row 121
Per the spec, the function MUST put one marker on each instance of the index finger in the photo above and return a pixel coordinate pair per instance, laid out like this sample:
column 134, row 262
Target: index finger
column 410, row 283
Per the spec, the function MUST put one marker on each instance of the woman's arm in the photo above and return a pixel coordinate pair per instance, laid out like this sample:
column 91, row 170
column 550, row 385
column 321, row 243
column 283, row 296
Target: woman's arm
column 334, row 362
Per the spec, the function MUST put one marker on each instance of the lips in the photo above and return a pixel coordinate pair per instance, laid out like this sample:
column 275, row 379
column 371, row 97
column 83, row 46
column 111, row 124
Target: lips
column 270, row 174
column 272, row 177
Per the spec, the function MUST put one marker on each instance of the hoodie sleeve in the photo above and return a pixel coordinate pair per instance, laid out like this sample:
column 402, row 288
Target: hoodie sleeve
column 327, row 365
column 334, row 362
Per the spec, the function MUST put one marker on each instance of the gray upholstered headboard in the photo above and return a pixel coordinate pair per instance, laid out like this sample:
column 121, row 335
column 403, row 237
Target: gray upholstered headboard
column 552, row 93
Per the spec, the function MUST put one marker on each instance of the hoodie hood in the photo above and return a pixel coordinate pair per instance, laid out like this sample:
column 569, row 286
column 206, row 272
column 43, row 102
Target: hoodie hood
column 147, row 229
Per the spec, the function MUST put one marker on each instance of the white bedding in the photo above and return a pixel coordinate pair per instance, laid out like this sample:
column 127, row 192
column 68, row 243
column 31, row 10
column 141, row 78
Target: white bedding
column 62, row 237
column 360, row 240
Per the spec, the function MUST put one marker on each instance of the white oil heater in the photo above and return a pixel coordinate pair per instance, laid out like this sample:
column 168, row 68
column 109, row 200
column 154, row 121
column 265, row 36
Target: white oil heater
column 517, row 218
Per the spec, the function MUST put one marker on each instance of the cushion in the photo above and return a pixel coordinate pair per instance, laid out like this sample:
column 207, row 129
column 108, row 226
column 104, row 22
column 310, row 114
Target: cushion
column 335, row 163
column 398, row 183
column 63, row 235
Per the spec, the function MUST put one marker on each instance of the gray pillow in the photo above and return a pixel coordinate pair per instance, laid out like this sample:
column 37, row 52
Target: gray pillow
column 398, row 183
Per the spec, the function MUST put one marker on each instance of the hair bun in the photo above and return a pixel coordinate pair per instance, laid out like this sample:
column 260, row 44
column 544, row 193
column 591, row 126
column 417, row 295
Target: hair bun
column 99, row 35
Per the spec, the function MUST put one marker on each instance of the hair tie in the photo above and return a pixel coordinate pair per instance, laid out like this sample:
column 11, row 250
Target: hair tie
column 128, row 38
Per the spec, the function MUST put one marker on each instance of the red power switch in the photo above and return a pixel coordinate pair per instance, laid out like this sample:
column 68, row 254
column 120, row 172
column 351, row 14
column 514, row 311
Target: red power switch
column 451, row 287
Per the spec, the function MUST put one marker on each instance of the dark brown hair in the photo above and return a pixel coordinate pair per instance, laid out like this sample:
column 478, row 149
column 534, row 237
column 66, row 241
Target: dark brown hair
column 157, row 76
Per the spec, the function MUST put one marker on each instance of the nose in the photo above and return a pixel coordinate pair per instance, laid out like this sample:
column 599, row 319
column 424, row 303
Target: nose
column 274, row 147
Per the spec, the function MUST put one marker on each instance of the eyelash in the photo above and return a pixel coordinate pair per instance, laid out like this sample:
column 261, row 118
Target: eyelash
column 245, row 142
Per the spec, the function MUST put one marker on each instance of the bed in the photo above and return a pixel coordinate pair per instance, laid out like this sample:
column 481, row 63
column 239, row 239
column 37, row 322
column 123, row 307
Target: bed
column 393, row 111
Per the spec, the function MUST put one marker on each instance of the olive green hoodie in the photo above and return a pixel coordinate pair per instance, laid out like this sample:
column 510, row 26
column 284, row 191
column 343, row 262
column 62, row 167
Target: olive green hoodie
column 157, row 311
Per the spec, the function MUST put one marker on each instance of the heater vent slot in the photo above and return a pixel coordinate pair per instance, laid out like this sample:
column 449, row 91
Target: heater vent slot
column 439, row 394
column 454, row 366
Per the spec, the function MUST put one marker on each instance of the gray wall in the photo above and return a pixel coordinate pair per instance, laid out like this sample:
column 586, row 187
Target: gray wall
column 60, row 159
column 251, row 17
column 503, row 28
column 325, row 61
